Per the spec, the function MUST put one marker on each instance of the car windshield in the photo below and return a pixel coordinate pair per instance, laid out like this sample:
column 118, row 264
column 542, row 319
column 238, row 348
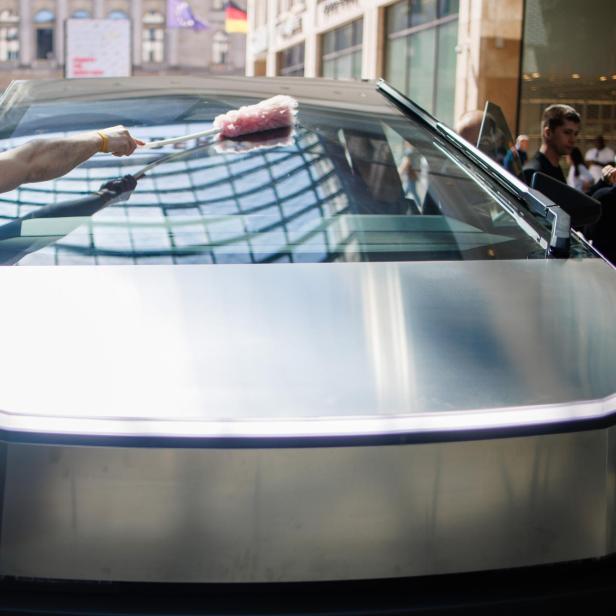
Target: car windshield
column 354, row 180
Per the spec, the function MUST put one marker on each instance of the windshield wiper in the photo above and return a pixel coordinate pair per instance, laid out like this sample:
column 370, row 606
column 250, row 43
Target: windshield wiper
column 51, row 223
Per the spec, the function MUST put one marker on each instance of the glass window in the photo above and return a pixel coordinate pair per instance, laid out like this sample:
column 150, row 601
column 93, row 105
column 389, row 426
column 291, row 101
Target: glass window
column 396, row 63
column 342, row 50
column 359, row 184
column 420, row 57
column 220, row 48
column 44, row 35
column 398, row 17
column 9, row 36
column 44, row 16
column 411, row 13
column 153, row 41
column 80, row 14
column 448, row 7
column 421, row 67
column 421, row 12
column 446, row 74
column 117, row 15
column 558, row 65
column 291, row 61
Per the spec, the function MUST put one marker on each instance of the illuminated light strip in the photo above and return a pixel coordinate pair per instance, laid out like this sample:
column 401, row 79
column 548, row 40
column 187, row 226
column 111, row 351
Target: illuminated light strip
column 459, row 421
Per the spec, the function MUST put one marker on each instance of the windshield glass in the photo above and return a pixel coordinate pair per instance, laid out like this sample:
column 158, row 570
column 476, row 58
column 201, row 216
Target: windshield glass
column 348, row 183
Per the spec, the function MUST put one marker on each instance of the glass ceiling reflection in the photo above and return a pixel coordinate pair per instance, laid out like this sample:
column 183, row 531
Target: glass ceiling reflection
column 322, row 193
column 206, row 206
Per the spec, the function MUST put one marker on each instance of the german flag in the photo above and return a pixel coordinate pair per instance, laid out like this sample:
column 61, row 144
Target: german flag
column 236, row 19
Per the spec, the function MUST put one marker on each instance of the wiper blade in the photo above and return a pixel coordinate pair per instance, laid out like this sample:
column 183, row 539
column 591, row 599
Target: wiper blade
column 50, row 223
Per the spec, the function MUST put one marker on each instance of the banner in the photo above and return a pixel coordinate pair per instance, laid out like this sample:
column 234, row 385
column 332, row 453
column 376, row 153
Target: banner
column 97, row 48
column 236, row 19
column 180, row 15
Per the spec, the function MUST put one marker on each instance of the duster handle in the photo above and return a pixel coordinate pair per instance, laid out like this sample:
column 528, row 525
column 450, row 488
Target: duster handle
column 160, row 143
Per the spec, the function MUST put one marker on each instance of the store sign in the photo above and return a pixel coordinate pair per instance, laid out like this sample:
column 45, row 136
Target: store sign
column 333, row 6
column 332, row 9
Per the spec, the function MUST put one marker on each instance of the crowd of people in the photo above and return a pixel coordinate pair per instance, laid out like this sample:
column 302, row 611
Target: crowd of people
column 593, row 174
column 558, row 143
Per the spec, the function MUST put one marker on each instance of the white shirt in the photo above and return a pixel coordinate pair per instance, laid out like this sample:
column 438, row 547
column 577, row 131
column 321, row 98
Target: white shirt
column 584, row 177
column 604, row 156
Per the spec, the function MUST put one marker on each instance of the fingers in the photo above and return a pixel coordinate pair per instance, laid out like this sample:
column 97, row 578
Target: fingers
column 608, row 174
column 121, row 142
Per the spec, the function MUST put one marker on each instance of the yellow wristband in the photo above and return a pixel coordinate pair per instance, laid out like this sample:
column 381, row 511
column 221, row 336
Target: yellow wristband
column 105, row 141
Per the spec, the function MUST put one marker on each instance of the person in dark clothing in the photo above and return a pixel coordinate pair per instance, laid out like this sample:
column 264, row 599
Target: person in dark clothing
column 603, row 233
column 516, row 156
column 560, row 127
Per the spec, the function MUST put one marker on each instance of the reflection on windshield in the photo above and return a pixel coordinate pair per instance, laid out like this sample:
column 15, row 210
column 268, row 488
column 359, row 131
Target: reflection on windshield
column 344, row 186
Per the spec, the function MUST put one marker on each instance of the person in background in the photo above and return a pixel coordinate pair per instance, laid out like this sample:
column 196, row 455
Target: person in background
column 409, row 170
column 469, row 126
column 579, row 176
column 598, row 157
column 560, row 127
column 516, row 155
column 603, row 233
column 46, row 159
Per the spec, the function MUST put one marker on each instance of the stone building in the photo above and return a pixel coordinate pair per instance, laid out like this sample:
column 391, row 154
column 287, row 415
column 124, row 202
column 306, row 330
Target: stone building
column 451, row 56
column 32, row 37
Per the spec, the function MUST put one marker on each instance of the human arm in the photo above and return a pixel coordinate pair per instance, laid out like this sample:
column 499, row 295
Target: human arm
column 608, row 180
column 45, row 159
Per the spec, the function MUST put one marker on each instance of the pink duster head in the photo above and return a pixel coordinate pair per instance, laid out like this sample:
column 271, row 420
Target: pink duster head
column 275, row 112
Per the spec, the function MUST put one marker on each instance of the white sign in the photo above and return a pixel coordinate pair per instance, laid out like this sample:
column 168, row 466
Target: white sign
column 98, row 48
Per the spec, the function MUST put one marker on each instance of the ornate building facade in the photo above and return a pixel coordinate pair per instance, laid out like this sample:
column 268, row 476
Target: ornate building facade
column 32, row 37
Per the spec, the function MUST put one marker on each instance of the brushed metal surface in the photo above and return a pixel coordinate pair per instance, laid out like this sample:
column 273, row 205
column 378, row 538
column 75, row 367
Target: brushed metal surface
column 302, row 515
column 312, row 348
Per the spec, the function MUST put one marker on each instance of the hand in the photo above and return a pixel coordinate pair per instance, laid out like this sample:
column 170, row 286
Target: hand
column 608, row 173
column 120, row 142
column 119, row 186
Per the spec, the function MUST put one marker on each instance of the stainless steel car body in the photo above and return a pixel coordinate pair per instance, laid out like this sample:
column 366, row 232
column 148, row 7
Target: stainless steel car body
column 306, row 422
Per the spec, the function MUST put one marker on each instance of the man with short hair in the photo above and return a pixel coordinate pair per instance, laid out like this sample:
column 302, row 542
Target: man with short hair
column 560, row 126
column 46, row 159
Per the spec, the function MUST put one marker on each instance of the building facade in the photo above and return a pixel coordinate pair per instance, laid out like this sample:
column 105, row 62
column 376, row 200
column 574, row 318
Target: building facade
column 451, row 56
column 32, row 37
column 435, row 51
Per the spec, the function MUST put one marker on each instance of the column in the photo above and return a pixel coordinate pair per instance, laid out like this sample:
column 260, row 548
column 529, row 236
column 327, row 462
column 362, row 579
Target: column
column 61, row 14
column 372, row 50
column 311, row 46
column 253, row 24
column 99, row 9
column 171, row 42
column 468, row 50
column 489, row 47
column 271, row 68
column 26, row 52
column 137, row 25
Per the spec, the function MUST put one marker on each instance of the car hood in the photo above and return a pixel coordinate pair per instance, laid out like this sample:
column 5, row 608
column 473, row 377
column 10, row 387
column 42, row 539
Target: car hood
column 293, row 349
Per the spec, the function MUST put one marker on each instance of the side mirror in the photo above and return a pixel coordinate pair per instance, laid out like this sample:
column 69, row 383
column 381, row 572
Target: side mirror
column 582, row 209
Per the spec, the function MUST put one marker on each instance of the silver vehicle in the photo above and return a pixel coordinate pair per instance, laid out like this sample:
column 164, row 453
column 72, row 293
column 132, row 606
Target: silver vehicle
column 356, row 351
